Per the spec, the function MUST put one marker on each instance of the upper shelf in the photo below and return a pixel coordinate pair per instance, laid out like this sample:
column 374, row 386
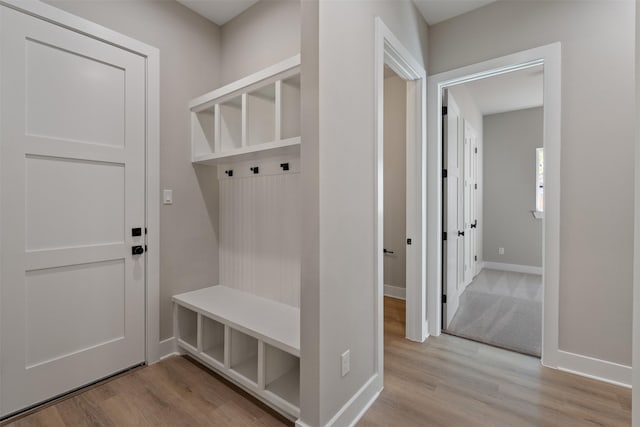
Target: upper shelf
column 254, row 116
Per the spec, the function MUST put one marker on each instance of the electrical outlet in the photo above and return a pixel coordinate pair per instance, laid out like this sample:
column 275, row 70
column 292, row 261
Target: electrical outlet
column 346, row 362
column 500, row 251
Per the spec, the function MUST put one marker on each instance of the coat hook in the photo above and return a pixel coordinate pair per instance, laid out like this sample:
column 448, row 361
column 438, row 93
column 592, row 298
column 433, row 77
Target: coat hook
column 229, row 172
column 255, row 169
column 284, row 166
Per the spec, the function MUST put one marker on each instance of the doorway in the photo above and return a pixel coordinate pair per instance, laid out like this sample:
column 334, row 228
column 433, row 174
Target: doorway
column 494, row 210
column 549, row 57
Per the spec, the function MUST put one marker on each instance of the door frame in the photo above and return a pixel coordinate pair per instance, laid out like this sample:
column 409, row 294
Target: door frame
column 390, row 51
column 550, row 57
column 151, row 55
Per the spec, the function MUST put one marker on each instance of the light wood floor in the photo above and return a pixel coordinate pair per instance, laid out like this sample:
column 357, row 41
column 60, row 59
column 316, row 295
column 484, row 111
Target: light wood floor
column 447, row 381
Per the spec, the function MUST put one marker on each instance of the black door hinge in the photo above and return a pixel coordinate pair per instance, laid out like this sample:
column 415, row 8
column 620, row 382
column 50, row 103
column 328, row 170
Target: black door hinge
column 408, row 241
column 476, row 186
column 475, row 258
column 444, row 235
column 444, row 299
column 444, row 110
column 476, row 150
column 444, row 173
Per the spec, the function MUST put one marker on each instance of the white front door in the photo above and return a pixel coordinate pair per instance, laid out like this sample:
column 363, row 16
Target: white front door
column 454, row 213
column 72, row 176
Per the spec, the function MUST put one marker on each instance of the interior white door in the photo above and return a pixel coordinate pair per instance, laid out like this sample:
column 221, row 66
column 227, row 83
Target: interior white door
column 469, row 202
column 454, row 213
column 72, row 175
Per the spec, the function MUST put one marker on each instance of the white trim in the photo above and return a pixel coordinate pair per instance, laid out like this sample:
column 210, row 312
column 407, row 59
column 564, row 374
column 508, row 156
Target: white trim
column 359, row 403
column 395, row 292
column 597, row 369
column 550, row 57
column 64, row 19
column 168, row 347
column 516, row 268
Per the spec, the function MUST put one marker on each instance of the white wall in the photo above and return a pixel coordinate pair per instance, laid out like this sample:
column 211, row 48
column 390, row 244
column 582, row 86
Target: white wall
column 510, row 142
column 338, row 187
column 395, row 176
column 266, row 33
column 189, row 60
column 596, row 241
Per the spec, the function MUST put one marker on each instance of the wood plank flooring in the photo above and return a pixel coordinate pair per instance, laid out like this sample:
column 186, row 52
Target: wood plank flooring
column 447, row 381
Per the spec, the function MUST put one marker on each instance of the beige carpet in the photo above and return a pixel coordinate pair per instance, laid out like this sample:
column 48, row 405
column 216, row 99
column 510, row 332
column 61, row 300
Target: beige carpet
column 503, row 309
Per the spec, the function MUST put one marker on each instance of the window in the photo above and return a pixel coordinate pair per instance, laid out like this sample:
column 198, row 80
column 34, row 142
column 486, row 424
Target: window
column 540, row 179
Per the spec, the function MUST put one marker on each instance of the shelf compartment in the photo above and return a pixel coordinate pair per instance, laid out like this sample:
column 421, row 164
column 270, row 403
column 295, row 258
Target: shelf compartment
column 213, row 339
column 203, row 131
column 261, row 115
column 231, row 124
column 290, row 107
column 282, row 375
column 244, row 355
column 187, row 326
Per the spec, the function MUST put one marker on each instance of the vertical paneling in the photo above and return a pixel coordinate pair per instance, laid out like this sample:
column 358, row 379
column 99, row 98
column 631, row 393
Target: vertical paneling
column 260, row 236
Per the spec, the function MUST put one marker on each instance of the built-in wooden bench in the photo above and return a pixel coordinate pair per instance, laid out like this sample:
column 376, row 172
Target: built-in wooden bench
column 252, row 341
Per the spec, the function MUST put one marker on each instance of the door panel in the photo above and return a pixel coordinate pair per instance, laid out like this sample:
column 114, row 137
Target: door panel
column 72, row 175
column 453, row 216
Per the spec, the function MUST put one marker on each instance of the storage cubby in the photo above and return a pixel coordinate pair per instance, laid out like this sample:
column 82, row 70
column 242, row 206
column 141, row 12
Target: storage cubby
column 213, row 339
column 187, row 322
column 203, row 131
column 252, row 118
column 261, row 115
column 290, row 104
column 244, row 355
column 231, row 124
column 282, row 374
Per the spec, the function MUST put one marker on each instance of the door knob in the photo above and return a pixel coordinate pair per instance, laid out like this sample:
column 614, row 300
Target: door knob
column 460, row 233
column 137, row 250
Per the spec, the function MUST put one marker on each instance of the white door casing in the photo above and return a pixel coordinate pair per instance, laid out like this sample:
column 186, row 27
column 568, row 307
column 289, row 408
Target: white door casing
column 454, row 207
column 72, row 186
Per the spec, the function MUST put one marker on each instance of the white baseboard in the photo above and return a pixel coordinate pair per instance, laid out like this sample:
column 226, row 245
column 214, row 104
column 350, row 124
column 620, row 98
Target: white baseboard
column 597, row 369
column 395, row 292
column 516, row 268
column 355, row 408
column 168, row 348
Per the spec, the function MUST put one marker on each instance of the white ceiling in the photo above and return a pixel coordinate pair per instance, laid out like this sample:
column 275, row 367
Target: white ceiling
column 512, row 91
column 435, row 11
column 219, row 11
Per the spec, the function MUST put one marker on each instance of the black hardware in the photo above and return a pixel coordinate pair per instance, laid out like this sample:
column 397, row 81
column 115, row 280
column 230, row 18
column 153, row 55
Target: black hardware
column 444, row 299
column 444, row 173
column 460, row 233
column 135, row 232
column 388, row 252
column 408, row 241
column 229, row 172
column 475, row 224
column 284, row 166
column 444, row 110
column 137, row 250
column 444, row 235
column 475, row 257
column 476, row 186
column 145, row 230
column 255, row 169
column 476, row 150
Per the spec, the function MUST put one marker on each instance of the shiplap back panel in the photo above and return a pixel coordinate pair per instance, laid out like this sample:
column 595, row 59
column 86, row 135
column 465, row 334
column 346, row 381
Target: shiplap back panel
column 260, row 236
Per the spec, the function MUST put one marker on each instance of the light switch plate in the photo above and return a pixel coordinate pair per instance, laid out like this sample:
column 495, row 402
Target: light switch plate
column 167, row 197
